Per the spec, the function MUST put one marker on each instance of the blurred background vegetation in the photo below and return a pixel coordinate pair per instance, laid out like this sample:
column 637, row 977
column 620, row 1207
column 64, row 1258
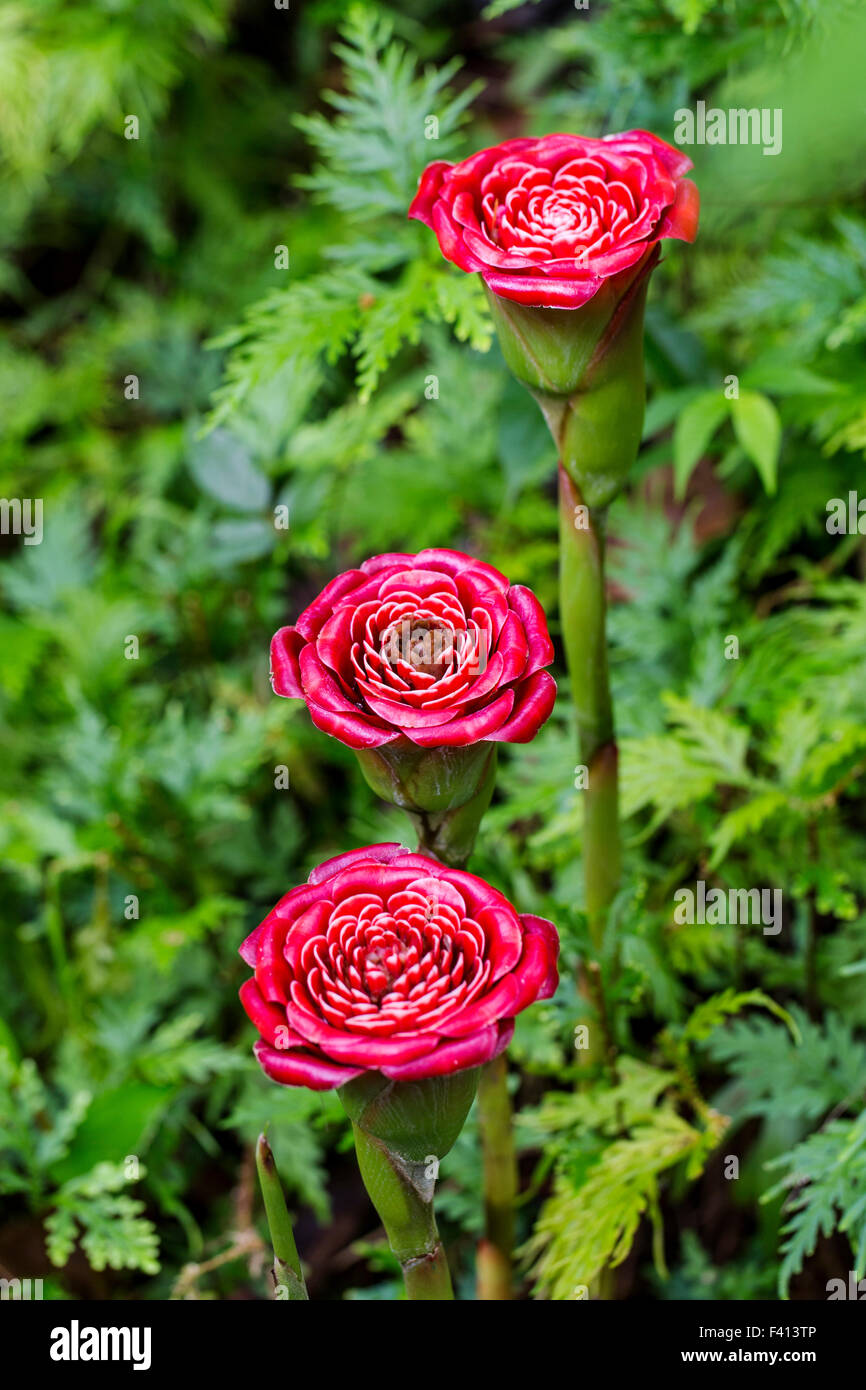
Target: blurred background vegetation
column 165, row 384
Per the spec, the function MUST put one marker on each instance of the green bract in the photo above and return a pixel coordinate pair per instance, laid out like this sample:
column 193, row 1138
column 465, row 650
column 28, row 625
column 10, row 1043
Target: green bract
column 417, row 1120
column 445, row 791
column 585, row 369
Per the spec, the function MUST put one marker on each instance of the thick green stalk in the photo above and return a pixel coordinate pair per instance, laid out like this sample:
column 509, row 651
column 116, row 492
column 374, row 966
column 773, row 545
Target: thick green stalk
column 500, row 1182
column 402, row 1193
column 583, row 609
column 402, row 1131
column 288, row 1275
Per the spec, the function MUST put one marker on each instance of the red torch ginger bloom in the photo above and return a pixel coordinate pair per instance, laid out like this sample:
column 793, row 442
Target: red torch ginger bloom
column 388, row 961
column 435, row 649
column 546, row 222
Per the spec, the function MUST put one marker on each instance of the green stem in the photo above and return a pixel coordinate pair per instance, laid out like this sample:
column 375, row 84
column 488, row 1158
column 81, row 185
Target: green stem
column 287, row 1272
column 583, row 608
column 57, row 945
column 500, row 1182
column 811, row 944
column 402, row 1193
column 450, row 837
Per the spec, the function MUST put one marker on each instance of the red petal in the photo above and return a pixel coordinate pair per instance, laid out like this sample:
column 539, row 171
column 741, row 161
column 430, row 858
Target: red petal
column 428, row 190
column 546, row 931
column 539, row 291
column 450, row 238
column 681, row 221
column 642, row 141
column 449, row 1057
column 409, row 719
column 504, row 933
column 334, row 642
column 533, row 978
column 534, row 705
column 353, row 731
column 382, row 853
column 357, row 1048
column 303, row 1069
column 468, row 728
column 311, row 620
column 311, row 924
column 530, row 612
column 286, row 646
column 390, row 559
column 454, row 562
column 272, row 974
column 264, row 1016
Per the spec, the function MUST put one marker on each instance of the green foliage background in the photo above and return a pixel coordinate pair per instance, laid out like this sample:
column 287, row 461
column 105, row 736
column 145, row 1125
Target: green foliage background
column 142, row 831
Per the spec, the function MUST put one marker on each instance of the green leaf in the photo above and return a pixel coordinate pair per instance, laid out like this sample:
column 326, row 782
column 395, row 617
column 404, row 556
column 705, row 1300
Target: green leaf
column 759, row 431
column 116, row 1125
column 223, row 468
column 237, row 539
column 781, row 1077
column 393, row 320
column 745, row 821
column 664, row 408
column 716, row 1010
column 694, row 429
column 373, row 149
column 714, row 736
column 788, row 379
column 525, row 450
column 41, row 576
column 113, row 1231
column 825, row 1177
column 593, row 1215
column 462, row 304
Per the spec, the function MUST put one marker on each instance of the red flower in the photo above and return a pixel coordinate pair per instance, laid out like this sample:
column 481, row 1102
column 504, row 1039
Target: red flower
column 548, row 221
column 436, row 649
column 388, row 961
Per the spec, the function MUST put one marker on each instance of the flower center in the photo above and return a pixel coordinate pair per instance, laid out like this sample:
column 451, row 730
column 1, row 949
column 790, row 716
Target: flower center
column 425, row 645
column 387, row 963
column 558, row 214
column 382, row 965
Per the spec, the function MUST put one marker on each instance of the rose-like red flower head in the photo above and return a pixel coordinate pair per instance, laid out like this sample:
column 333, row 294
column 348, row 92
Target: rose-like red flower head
column 547, row 221
column 434, row 648
column 388, row 961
